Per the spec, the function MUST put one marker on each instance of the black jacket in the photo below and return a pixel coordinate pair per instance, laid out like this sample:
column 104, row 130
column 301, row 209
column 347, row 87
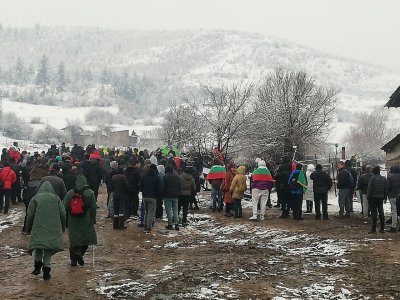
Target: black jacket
column 343, row 181
column 354, row 174
column 363, row 182
column 322, row 182
column 150, row 184
column 95, row 174
column 171, row 186
column 394, row 185
column 282, row 176
column 119, row 185
column 133, row 176
column 377, row 188
column 69, row 180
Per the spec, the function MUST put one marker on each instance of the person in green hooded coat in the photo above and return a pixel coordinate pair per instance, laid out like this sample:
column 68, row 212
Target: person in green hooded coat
column 81, row 229
column 46, row 222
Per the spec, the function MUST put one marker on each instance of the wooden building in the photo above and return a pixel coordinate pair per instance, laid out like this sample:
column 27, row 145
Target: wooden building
column 392, row 150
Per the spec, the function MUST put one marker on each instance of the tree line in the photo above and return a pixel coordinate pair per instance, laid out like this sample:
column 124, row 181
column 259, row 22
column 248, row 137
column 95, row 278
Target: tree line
column 286, row 110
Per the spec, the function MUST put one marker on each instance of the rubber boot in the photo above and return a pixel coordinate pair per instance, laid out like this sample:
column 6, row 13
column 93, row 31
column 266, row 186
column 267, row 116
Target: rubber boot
column 116, row 223
column 121, row 222
column 46, row 273
column 37, row 268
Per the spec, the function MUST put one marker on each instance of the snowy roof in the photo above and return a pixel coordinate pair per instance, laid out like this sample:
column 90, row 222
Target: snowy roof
column 391, row 144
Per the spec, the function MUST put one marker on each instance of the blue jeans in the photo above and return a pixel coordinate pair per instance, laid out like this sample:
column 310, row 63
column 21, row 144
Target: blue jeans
column 171, row 208
column 217, row 199
column 344, row 201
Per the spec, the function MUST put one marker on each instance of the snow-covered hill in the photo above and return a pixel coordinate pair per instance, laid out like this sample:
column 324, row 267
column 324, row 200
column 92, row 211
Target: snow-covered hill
column 163, row 65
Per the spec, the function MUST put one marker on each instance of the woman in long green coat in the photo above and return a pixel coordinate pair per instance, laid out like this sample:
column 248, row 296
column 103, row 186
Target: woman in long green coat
column 46, row 222
column 81, row 229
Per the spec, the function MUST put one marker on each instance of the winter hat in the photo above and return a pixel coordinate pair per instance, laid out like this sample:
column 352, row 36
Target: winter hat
column 95, row 155
column 58, row 158
column 114, row 165
column 161, row 169
column 261, row 163
column 310, row 168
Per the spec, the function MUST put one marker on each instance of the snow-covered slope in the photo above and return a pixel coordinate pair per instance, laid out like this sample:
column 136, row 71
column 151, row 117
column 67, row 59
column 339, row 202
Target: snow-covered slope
column 164, row 65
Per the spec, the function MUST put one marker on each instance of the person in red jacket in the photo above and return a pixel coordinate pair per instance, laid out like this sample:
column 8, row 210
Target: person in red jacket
column 8, row 178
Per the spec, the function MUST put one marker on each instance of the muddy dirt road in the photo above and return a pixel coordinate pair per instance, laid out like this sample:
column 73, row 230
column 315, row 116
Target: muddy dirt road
column 215, row 257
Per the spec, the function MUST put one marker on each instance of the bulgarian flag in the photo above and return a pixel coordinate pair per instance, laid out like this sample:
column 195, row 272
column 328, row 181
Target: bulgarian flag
column 216, row 172
column 261, row 174
column 302, row 181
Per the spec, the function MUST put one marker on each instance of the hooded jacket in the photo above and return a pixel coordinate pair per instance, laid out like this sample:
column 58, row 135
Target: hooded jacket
column 57, row 183
column 150, row 184
column 81, row 229
column 46, row 220
column 8, row 178
column 226, row 187
column 237, row 181
column 171, row 186
column 188, row 186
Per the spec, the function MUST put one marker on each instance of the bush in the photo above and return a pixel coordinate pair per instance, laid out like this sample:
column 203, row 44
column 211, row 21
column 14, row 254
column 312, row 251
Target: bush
column 99, row 117
column 49, row 135
column 35, row 120
column 15, row 127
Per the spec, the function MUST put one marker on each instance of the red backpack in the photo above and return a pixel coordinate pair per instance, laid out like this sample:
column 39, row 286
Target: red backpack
column 77, row 205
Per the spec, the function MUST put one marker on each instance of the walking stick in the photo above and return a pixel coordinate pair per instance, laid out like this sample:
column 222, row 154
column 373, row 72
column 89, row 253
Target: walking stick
column 334, row 180
column 93, row 255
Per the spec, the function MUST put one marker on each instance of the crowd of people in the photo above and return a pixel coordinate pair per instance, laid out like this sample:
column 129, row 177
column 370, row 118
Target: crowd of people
column 60, row 188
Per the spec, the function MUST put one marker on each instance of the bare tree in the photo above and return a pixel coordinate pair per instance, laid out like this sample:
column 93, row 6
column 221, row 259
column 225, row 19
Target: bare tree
column 370, row 132
column 292, row 110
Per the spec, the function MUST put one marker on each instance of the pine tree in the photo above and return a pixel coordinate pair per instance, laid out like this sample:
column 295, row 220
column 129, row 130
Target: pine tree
column 61, row 82
column 42, row 77
column 20, row 73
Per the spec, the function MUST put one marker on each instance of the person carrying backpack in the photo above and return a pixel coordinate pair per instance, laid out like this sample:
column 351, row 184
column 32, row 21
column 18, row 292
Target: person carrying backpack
column 80, row 206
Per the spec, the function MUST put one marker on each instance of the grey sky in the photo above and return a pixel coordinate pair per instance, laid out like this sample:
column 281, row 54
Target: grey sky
column 367, row 30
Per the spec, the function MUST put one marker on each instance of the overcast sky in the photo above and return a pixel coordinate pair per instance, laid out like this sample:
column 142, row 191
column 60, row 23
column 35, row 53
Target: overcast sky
column 367, row 30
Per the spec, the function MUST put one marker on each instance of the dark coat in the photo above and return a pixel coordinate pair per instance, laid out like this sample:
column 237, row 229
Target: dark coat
column 38, row 172
column 57, row 183
column 282, row 176
column 394, row 185
column 377, row 188
column 46, row 220
column 150, row 184
column 119, row 185
column 343, row 181
column 322, row 182
column 188, row 186
column 95, row 173
column 69, row 180
column 171, row 186
column 133, row 176
column 363, row 181
column 81, row 229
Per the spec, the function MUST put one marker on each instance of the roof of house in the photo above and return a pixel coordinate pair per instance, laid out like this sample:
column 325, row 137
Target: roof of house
column 394, row 100
column 391, row 144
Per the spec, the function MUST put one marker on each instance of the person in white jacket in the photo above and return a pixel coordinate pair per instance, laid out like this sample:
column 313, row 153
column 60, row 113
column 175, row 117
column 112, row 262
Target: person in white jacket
column 309, row 195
